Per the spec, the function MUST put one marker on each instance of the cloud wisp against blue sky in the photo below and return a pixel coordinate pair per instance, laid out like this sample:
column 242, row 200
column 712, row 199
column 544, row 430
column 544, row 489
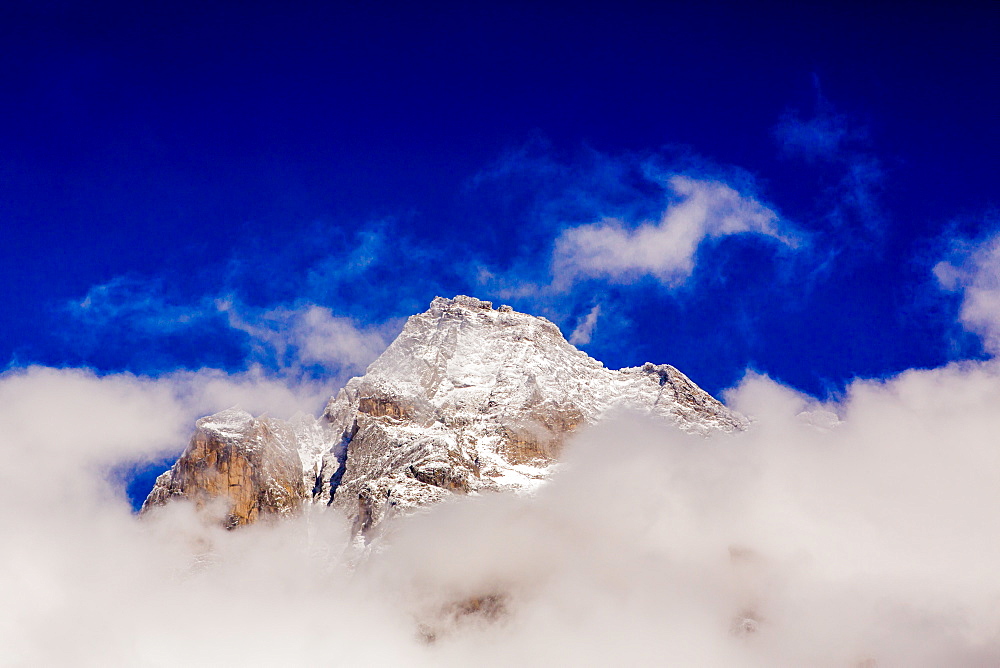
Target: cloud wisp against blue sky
column 836, row 149
column 666, row 249
column 972, row 269
column 310, row 335
column 290, row 339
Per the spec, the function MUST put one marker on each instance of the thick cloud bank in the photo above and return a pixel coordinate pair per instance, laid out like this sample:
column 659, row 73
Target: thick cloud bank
column 857, row 533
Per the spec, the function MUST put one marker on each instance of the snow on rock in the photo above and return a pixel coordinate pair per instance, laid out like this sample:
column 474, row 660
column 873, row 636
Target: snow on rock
column 467, row 399
column 250, row 464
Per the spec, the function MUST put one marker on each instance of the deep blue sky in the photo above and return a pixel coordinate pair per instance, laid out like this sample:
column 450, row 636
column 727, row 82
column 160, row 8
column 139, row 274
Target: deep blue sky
column 161, row 157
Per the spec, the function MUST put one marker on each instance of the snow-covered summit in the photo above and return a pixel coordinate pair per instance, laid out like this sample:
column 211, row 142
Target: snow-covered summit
column 467, row 399
column 231, row 424
column 462, row 359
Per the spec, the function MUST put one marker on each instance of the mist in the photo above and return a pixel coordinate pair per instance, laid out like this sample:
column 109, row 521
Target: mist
column 856, row 532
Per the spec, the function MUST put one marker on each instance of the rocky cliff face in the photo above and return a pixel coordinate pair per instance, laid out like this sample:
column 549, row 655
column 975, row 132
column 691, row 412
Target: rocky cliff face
column 250, row 464
column 467, row 399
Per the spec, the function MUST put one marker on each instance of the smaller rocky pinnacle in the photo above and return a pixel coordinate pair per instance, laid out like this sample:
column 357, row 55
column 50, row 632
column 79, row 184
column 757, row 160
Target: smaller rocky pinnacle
column 468, row 398
column 247, row 465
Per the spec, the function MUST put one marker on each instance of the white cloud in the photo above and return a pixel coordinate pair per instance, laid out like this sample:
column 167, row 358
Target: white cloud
column 207, row 391
column 585, row 329
column 665, row 250
column 326, row 339
column 863, row 530
column 975, row 270
column 310, row 334
column 140, row 304
column 64, row 428
column 285, row 336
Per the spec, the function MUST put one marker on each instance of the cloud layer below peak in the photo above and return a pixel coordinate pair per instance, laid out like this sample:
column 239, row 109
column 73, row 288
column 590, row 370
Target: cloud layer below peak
column 854, row 532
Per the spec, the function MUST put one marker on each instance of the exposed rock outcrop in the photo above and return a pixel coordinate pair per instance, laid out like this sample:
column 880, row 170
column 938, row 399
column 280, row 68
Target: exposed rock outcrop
column 250, row 464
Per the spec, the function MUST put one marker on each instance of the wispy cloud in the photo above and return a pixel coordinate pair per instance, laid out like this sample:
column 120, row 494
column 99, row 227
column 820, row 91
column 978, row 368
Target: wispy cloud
column 840, row 145
column 820, row 137
column 637, row 228
column 140, row 304
column 666, row 249
column 311, row 307
column 286, row 338
column 309, row 335
column 973, row 268
column 585, row 328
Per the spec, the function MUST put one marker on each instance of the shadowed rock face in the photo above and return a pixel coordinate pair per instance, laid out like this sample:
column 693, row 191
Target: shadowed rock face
column 249, row 464
column 468, row 398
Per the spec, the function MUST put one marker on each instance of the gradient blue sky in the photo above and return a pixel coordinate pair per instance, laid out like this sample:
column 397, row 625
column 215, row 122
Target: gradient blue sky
column 188, row 185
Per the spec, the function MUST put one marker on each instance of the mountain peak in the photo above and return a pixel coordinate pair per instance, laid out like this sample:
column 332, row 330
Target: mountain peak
column 467, row 399
column 233, row 423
